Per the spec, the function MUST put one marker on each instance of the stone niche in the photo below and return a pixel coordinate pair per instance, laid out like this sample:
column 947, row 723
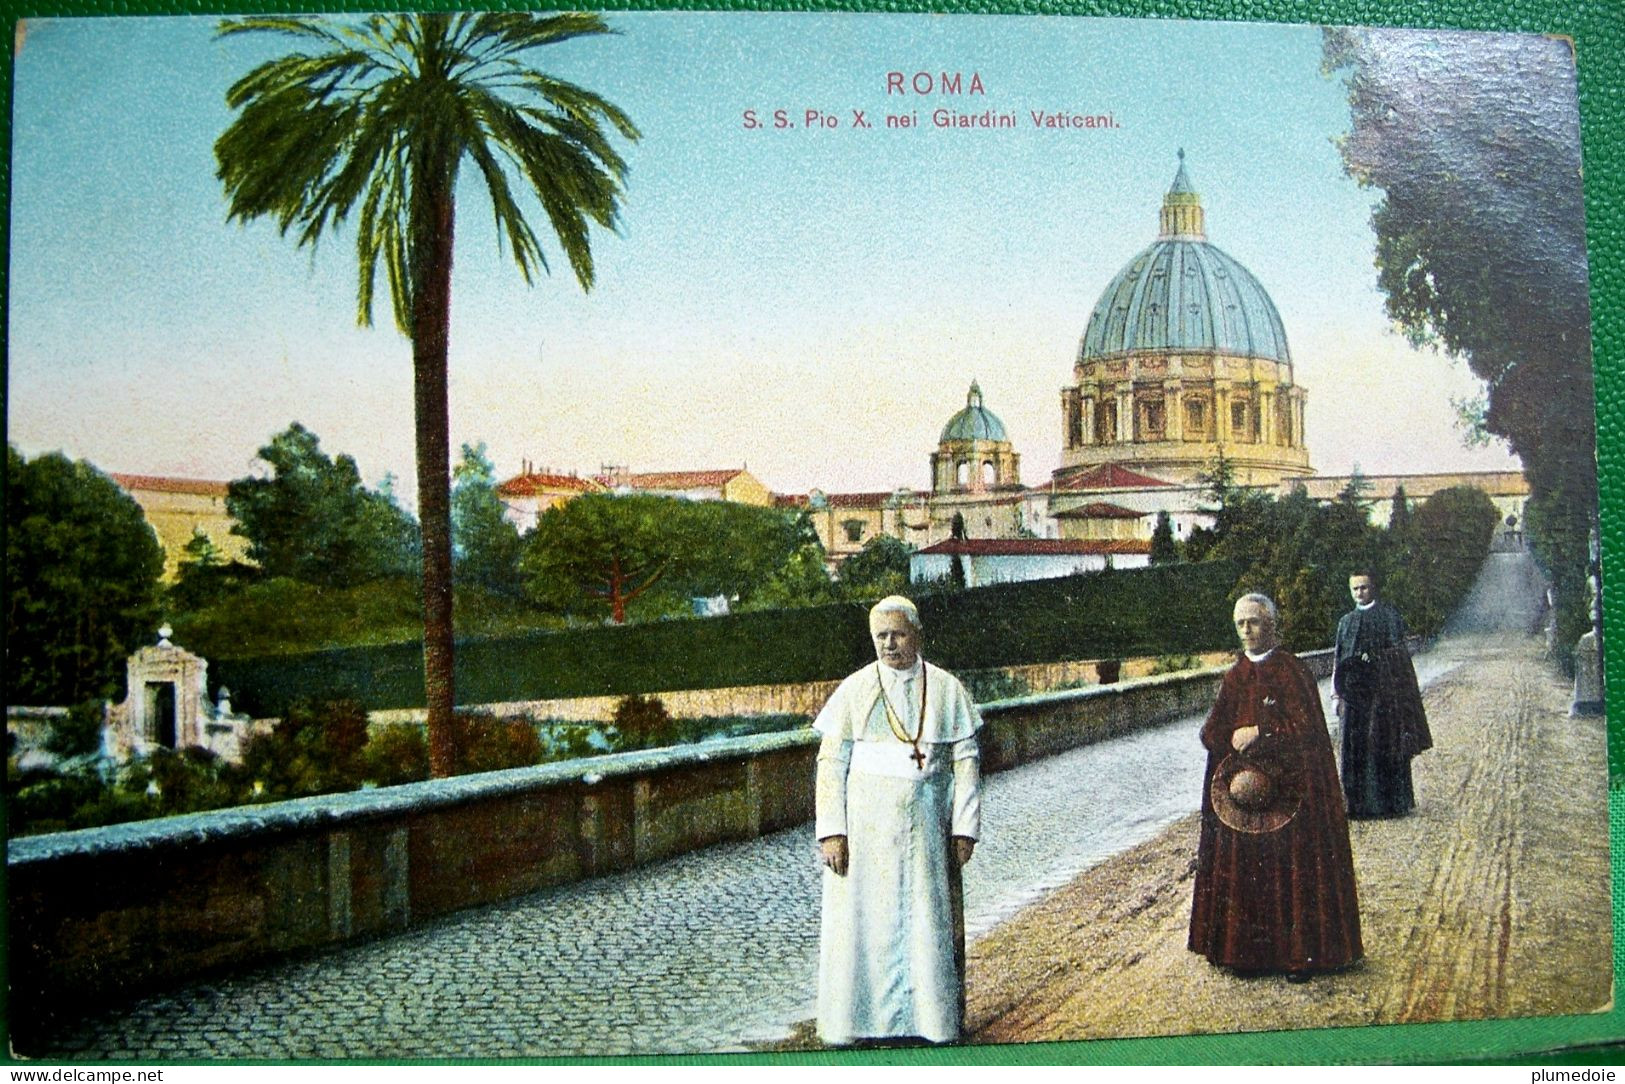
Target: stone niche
column 167, row 706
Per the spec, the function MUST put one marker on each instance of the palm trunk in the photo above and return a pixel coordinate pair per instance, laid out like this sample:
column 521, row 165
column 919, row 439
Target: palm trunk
column 432, row 228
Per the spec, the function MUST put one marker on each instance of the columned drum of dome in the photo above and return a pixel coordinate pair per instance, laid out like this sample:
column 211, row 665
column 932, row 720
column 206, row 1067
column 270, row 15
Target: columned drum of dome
column 973, row 454
column 1184, row 355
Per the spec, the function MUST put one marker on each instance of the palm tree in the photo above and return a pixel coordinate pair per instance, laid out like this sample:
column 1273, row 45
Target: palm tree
column 382, row 112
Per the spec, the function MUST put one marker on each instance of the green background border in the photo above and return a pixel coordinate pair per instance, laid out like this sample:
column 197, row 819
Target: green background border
column 1598, row 31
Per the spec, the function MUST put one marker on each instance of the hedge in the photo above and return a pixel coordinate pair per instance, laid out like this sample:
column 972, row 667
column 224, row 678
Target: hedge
column 1111, row 614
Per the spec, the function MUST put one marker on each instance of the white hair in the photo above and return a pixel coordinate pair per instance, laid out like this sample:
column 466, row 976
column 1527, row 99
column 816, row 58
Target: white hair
column 1264, row 601
column 899, row 605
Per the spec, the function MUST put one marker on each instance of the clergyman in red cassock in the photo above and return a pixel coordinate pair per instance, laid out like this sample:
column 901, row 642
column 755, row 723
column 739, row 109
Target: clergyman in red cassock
column 1274, row 871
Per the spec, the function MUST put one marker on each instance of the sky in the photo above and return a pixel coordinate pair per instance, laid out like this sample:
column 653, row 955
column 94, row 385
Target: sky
column 810, row 303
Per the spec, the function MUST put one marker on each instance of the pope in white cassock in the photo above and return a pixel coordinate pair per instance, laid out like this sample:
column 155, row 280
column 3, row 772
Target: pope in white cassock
column 899, row 811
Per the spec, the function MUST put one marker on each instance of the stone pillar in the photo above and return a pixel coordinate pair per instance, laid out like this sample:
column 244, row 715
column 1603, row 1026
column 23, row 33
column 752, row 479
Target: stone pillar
column 397, row 879
column 643, row 835
column 1173, row 410
column 339, row 919
column 1588, row 698
column 1221, row 412
column 1588, row 676
column 1266, row 418
column 1126, row 427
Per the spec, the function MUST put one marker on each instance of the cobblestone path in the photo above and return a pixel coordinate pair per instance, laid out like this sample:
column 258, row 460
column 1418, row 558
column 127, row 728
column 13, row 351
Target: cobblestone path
column 704, row 952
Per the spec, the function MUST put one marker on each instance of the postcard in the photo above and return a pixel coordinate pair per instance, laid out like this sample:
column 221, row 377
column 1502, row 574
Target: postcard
column 799, row 535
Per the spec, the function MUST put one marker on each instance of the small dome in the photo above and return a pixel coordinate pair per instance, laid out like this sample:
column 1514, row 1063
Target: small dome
column 975, row 422
column 1182, row 293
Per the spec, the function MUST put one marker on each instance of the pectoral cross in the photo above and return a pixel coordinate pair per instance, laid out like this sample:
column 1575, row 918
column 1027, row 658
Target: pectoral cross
column 918, row 758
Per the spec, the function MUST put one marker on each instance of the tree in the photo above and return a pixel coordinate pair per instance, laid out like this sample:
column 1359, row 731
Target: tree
column 486, row 546
column 383, row 112
column 1354, row 490
column 1449, row 536
column 81, row 580
column 1399, row 520
column 204, row 576
column 735, row 550
column 601, row 549
column 1474, row 142
column 201, row 551
column 1299, row 552
column 1163, row 548
column 803, row 580
column 616, row 549
column 311, row 519
column 880, row 568
column 1218, row 484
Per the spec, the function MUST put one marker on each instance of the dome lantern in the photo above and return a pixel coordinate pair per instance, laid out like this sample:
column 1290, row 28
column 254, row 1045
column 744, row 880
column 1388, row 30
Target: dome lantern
column 974, row 454
column 1182, row 218
column 975, row 422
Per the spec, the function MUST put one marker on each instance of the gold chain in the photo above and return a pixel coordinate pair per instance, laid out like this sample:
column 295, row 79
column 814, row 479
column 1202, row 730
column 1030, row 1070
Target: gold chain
column 896, row 723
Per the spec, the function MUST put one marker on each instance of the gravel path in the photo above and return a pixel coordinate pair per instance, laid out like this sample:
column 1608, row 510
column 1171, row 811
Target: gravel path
column 1490, row 900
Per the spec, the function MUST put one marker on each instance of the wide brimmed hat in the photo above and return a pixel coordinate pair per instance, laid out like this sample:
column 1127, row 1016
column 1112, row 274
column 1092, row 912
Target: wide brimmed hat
column 1255, row 794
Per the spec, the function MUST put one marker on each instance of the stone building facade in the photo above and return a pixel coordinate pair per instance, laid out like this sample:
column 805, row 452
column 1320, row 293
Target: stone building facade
column 180, row 509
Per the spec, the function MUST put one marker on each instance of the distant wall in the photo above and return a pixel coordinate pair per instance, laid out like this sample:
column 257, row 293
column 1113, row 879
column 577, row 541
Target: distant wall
column 796, row 698
column 105, row 913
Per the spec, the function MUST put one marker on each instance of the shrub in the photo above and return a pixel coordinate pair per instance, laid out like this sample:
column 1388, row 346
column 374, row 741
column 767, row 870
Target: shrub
column 571, row 741
column 314, row 749
column 986, row 686
column 642, row 722
column 484, row 743
column 714, row 727
column 395, row 754
column 275, row 617
column 179, row 781
column 44, row 800
column 80, row 733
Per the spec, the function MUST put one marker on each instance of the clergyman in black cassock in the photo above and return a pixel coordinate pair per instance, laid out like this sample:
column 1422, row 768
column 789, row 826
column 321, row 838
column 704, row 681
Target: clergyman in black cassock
column 1384, row 723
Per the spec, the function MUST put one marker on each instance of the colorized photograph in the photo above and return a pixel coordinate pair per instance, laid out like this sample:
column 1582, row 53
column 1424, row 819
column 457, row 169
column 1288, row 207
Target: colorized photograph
column 799, row 535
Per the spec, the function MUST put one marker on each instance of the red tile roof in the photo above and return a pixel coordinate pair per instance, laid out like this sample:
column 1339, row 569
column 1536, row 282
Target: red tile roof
column 857, row 500
column 154, row 483
column 789, row 500
column 675, row 479
column 1111, row 476
column 1101, row 510
column 1037, row 547
column 528, row 485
